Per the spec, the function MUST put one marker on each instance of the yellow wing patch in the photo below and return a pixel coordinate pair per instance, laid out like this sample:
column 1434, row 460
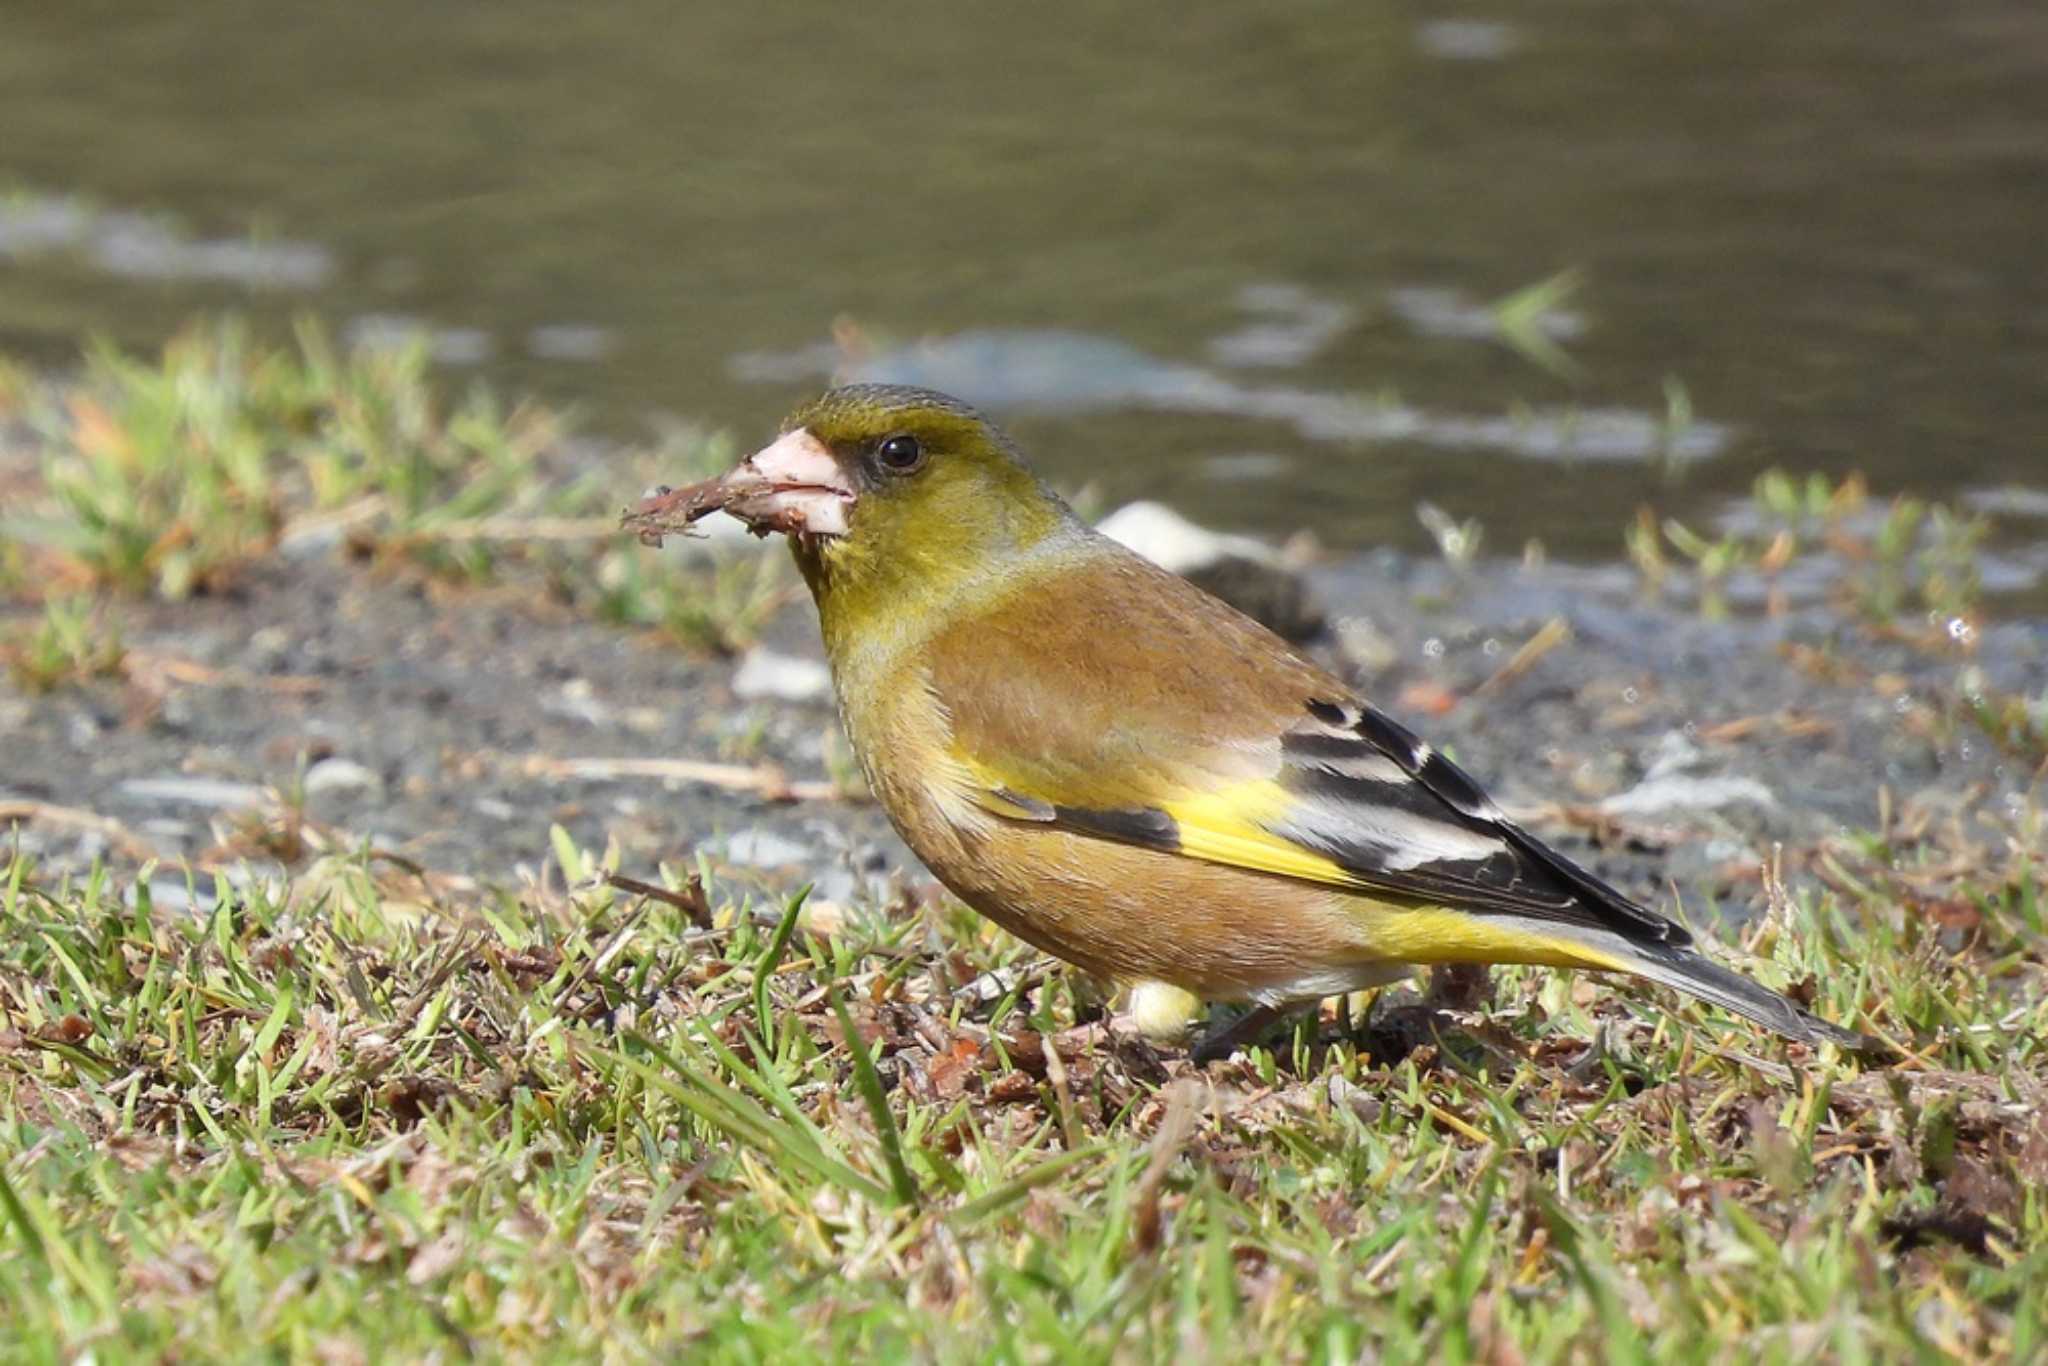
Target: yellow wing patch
column 1435, row 934
column 1229, row 827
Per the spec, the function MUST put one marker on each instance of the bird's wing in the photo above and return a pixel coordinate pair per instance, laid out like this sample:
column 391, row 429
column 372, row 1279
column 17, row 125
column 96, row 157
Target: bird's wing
column 1124, row 704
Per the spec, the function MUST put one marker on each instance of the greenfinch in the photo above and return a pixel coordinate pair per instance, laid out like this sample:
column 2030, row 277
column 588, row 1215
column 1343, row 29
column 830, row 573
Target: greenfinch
column 1130, row 775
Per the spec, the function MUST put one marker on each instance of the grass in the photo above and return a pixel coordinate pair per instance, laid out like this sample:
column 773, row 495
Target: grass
column 1908, row 556
column 74, row 640
column 348, row 1115
column 180, row 474
column 360, row 1110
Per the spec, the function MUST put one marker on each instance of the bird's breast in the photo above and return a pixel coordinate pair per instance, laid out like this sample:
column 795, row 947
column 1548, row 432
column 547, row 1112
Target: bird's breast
column 902, row 737
column 1115, row 910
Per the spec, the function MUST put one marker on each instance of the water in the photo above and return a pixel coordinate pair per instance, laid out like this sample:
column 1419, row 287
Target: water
column 1243, row 260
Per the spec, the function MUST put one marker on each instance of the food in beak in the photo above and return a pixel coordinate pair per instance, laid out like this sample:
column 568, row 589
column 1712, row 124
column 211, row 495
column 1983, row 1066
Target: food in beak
column 665, row 510
column 793, row 485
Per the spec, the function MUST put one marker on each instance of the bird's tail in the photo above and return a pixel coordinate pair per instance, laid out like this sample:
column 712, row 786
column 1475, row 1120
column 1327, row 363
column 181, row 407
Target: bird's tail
column 1698, row 975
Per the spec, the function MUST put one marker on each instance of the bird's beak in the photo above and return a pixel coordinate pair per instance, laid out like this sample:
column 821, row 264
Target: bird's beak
column 793, row 485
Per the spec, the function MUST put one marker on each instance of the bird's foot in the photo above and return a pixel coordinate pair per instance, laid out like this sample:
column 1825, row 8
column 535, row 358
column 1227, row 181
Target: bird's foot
column 1248, row 1028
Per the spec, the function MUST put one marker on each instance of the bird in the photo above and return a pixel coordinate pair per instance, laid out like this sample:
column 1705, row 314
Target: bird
column 1129, row 774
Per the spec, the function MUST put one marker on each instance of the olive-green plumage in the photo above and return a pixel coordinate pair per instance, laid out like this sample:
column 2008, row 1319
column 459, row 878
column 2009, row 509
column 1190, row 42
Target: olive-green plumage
column 1130, row 774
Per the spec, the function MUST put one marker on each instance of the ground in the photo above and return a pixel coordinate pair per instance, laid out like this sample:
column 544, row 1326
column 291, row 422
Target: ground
column 405, row 951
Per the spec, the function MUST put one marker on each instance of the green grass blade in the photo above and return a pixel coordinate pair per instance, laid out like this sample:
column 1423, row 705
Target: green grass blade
column 869, row 1083
column 771, row 958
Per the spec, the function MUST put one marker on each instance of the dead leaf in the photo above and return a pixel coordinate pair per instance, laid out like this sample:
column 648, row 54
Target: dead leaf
column 951, row 1070
column 1427, row 699
column 433, row 1260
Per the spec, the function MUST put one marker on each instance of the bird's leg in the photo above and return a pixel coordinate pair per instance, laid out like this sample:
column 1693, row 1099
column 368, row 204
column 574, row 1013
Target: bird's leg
column 1247, row 1028
column 1354, row 1009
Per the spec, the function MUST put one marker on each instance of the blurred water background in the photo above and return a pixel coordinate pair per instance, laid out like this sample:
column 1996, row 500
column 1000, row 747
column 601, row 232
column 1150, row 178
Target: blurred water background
column 1288, row 266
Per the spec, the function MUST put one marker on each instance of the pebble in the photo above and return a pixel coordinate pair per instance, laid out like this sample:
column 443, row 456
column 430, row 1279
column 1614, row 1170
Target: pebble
column 577, row 700
column 759, row 848
column 1365, row 646
column 1244, row 572
column 269, row 647
column 822, row 917
column 341, row 775
column 308, row 538
column 83, row 730
column 1172, row 542
column 166, row 895
column 839, row 886
column 1664, row 796
column 1673, row 754
column 176, row 714
column 212, row 792
column 767, row 675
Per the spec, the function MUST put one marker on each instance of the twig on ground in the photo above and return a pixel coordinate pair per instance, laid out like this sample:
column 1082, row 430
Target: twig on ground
column 766, row 780
column 1174, row 1129
column 78, row 818
column 314, row 525
column 1548, row 637
column 151, row 666
column 691, row 900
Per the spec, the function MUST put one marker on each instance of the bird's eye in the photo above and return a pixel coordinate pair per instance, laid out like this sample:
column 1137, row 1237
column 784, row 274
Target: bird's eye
column 900, row 454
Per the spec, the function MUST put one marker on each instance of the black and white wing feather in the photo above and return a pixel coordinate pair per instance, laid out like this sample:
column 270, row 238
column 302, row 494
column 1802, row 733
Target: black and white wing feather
column 1405, row 821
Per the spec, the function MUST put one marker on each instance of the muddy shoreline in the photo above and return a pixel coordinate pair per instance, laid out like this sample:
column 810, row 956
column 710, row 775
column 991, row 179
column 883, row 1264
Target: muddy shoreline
column 325, row 706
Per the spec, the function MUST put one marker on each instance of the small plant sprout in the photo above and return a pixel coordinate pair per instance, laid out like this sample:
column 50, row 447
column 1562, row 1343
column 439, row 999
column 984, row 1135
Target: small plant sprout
column 170, row 476
column 1645, row 545
column 75, row 640
column 1951, row 576
column 1678, row 419
column 1713, row 561
column 1918, row 553
column 1527, row 320
column 1458, row 542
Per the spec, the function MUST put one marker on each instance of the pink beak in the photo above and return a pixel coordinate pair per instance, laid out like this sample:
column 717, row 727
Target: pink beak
column 793, row 485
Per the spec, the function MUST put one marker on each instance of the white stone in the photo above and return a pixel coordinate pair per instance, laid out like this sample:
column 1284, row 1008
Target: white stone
column 1172, row 542
column 1669, row 795
column 758, row 848
column 193, row 791
column 767, row 675
column 340, row 775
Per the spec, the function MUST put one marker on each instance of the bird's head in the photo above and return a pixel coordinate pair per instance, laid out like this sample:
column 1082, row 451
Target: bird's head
column 888, row 490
